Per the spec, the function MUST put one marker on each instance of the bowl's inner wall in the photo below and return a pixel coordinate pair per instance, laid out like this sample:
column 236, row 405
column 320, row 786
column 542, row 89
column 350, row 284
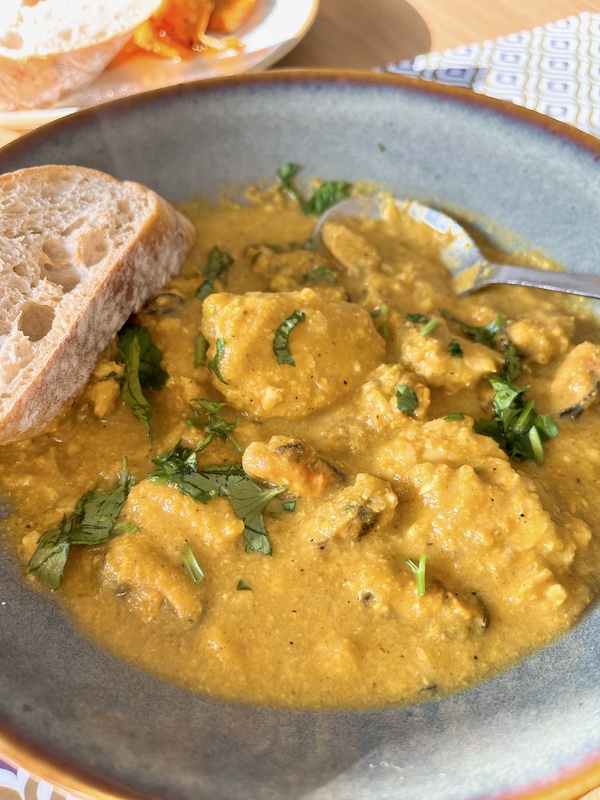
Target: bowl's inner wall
column 87, row 709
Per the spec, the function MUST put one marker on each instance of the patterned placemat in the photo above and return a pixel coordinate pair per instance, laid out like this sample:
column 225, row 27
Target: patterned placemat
column 554, row 70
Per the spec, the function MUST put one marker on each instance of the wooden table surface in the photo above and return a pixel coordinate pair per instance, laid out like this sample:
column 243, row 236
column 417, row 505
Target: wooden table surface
column 367, row 33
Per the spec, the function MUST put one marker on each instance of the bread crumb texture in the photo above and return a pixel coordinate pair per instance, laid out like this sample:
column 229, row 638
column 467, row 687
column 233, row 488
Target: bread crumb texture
column 79, row 252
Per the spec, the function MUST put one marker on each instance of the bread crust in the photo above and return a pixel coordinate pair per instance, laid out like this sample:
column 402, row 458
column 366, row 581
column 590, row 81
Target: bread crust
column 90, row 315
column 55, row 52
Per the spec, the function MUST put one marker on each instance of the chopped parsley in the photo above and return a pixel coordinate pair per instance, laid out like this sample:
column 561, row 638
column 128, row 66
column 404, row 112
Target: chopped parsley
column 243, row 586
column 191, row 562
column 455, row 416
column 455, row 349
column 406, row 400
column 91, row 523
column 281, row 345
column 322, row 273
column 419, row 572
column 484, row 335
column 512, row 364
column 516, row 426
column 200, row 350
column 217, row 425
column 328, row 194
column 216, row 265
column 417, row 318
column 142, row 371
column 215, row 363
column 179, row 468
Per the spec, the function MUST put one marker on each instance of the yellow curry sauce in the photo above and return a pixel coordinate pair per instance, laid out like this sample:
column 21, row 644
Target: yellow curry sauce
column 335, row 617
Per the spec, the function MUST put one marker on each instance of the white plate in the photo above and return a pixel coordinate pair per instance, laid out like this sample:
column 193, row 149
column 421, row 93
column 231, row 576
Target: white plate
column 275, row 27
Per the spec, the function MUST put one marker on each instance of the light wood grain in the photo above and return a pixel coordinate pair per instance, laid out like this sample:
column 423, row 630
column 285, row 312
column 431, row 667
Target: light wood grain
column 362, row 35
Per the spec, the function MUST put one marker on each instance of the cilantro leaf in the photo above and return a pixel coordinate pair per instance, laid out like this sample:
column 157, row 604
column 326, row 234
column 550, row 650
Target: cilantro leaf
column 516, row 427
column 200, row 350
column 217, row 425
column 217, row 264
column 91, row 524
column 131, row 389
column 512, row 364
column 215, row 363
column 406, row 400
column 142, row 371
column 484, row 335
column 281, row 346
column 416, row 318
column 179, row 468
column 151, row 374
column 455, row 349
column 243, row 586
column 322, row 273
column 456, row 416
column 328, row 194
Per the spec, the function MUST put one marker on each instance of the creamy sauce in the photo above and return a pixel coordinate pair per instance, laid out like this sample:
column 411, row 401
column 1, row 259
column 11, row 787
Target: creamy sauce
column 332, row 619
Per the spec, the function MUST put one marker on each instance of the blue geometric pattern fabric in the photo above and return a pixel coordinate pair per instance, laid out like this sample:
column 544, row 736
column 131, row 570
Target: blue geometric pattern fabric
column 554, row 70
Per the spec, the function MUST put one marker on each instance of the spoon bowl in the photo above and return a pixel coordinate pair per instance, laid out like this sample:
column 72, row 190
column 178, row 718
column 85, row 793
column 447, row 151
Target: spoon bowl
column 470, row 269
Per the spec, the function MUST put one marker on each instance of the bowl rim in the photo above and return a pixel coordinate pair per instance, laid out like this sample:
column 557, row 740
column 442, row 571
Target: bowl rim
column 571, row 782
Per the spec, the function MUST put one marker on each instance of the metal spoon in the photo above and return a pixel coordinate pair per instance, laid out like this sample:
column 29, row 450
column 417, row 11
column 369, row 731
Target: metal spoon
column 470, row 269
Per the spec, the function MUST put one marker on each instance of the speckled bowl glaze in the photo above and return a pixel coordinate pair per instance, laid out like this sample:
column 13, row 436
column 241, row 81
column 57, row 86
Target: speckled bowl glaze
column 82, row 718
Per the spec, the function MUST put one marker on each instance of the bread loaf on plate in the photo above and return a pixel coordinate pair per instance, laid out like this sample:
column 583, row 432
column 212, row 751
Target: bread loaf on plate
column 51, row 47
column 79, row 252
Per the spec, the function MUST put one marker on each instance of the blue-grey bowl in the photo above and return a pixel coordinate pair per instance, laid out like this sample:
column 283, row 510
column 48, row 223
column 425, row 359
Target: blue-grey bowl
column 78, row 716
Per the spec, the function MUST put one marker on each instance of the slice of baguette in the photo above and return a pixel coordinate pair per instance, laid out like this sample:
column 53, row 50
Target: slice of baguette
column 51, row 47
column 79, row 252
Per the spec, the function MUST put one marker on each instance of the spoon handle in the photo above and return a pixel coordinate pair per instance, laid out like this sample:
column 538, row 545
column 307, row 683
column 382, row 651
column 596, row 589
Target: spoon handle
column 586, row 285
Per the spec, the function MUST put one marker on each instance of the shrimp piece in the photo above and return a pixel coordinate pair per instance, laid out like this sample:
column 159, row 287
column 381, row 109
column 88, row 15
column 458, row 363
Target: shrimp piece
column 576, row 384
column 293, row 462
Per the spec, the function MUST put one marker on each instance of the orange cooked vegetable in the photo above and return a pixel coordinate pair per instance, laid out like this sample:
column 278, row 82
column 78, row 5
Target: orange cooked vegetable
column 176, row 29
column 229, row 15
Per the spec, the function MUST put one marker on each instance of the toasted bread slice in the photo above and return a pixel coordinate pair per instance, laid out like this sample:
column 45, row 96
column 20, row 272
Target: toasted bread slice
column 79, row 252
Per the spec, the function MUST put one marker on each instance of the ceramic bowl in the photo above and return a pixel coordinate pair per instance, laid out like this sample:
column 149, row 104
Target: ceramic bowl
column 76, row 715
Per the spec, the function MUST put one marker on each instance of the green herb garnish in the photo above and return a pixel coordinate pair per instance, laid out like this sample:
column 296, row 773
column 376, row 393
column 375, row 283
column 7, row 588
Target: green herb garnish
column 191, row 562
column 419, row 573
column 455, row 349
column 512, row 364
column 289, row 505
column 429, row 327
column 151, row 374
column 484, row 335
column 328, row 194
column 142, row 371
column 456, row 416
column 516, row 426
column 216, row 265
column 383, row 313
column 179, row 468
column 215, row 363
column 406, row 400
column 91, row 523
column 417, row 318
column 243, row 586
column 281, row 346
column 248, row 501
column 217, row 425
column 200, row 350
column 322, row 273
